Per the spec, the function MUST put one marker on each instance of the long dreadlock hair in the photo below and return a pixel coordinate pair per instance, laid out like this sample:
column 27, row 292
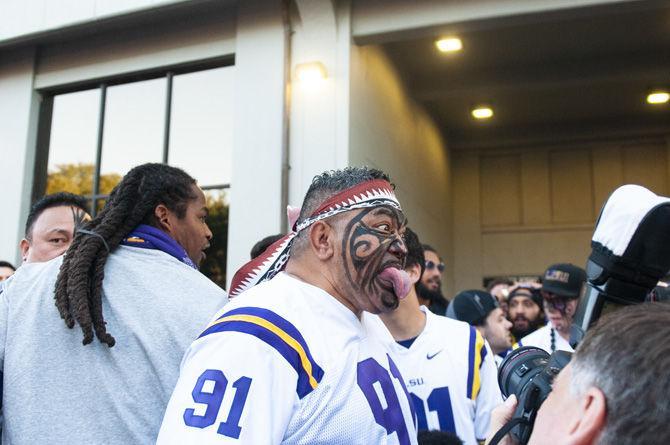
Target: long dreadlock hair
column 78, row 293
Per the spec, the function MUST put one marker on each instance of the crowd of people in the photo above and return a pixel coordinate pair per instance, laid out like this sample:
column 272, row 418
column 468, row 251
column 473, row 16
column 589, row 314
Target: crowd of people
column 336, row 332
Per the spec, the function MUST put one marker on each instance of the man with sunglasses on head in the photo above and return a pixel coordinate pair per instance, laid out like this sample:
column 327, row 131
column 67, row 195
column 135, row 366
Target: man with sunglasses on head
column 294, row 356
column 561, row 288
column 429, row 289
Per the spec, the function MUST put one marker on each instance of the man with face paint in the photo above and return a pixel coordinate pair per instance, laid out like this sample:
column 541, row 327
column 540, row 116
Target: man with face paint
column 561, row 288
column 293, row 356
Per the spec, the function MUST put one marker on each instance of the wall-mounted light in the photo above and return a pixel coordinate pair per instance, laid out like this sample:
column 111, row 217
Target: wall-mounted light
column 449, row 44
column 482, row 112
column 658, row 97
column 310, row 73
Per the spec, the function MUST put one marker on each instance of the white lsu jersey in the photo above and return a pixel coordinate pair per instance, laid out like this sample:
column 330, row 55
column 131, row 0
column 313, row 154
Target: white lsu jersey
column 450, row 373
column 287, row 363
column 541, row 338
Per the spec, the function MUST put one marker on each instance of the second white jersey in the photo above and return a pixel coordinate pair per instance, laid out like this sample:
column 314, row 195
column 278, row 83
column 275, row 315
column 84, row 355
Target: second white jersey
column 287, row 363
column 451, row 376
column 541, row 338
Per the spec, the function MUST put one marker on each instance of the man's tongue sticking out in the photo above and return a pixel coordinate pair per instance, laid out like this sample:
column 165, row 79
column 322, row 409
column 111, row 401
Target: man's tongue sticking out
column 399, row 279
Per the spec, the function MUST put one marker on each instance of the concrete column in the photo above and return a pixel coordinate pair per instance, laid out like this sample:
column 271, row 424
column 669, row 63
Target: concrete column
column 256, row 190
column 319, row 118
column 19, row 107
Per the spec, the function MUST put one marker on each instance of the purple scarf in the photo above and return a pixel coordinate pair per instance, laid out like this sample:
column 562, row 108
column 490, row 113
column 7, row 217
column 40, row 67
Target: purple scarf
column 148, row 237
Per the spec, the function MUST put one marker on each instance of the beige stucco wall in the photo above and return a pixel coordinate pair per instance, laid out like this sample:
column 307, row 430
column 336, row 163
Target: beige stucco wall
column 391, row 132
column 518, row 210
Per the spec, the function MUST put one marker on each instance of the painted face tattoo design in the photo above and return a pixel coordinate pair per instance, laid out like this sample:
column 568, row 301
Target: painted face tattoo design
column 557, row 303
column 374, row 193
column 370, row 266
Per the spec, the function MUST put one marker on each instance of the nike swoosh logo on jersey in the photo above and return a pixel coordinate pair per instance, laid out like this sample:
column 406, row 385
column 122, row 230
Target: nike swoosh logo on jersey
column 429, row 356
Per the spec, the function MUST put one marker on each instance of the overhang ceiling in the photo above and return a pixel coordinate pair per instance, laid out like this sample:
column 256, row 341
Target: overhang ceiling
column 544, row 78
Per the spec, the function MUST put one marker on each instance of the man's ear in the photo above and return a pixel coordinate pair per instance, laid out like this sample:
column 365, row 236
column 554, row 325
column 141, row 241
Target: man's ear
column 590, row 422
column 414, row 272
column 24, row 245
column 322, row 239
column 164, row 218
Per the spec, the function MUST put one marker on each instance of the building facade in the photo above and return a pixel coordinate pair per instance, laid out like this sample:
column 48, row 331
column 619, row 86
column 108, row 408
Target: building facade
column 217, row 87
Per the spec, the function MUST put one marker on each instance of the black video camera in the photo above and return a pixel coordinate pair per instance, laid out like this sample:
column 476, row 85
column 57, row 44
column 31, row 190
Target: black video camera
column 528, row 373
column 630, row 254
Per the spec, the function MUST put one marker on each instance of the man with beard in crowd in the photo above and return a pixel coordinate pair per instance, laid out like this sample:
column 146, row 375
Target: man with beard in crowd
column 293, row 355
column 429, row 289
column 561, row 288
column 525, row 309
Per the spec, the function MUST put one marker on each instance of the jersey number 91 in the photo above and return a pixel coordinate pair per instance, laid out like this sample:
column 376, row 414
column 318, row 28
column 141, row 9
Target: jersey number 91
column 209, row 390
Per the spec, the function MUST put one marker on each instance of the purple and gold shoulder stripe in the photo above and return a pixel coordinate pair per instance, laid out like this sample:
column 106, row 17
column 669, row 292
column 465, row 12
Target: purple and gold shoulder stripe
column 277, row 332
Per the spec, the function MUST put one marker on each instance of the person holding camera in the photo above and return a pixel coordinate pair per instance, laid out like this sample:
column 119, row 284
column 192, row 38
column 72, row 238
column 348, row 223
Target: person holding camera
column 611, row 392
column 613, row 389
column 561, row 287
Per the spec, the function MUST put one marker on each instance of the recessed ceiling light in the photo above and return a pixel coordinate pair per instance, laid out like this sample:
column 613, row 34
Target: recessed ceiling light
column 449, row 44
column 482, row 112
column 658, row 97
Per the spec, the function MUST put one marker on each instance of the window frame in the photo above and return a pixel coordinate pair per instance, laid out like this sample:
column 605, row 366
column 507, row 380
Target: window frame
column 45, row 117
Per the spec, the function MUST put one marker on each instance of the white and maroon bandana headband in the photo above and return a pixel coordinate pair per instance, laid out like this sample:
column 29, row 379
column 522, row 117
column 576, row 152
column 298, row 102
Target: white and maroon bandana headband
column 372, row 193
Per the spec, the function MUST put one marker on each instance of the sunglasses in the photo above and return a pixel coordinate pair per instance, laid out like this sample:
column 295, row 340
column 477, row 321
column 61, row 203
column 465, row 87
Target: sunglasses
column 431, row 265
column 555, row 301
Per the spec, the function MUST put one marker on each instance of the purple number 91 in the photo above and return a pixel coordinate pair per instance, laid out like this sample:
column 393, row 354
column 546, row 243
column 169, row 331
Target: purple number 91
column 370, row 372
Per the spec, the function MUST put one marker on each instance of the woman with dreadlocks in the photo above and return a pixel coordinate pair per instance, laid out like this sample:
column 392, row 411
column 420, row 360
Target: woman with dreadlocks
column 129, row 279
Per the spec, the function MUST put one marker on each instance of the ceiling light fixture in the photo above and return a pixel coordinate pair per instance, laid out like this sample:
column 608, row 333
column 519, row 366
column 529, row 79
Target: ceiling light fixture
column 482, row 112
column 449, row 44
column 658, row 97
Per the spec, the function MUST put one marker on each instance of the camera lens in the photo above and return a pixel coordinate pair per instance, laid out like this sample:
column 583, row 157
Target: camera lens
column 519, row 367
